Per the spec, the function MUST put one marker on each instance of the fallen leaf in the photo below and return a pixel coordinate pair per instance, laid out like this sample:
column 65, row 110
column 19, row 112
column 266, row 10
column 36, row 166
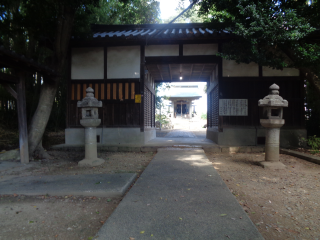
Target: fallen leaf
column 131, row 238
column 180, row 218
column 222, row 215
column 142, row 232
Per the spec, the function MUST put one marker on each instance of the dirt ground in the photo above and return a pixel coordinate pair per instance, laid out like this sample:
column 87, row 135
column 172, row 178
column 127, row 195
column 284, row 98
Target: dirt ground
column 283, row 204
column 64, row 217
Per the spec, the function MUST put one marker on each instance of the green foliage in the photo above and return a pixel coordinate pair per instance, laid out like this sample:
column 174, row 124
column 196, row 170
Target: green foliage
column 163, row 120
column 204, row 116
column 267, row 30
column 313, row 142
column 190, row 16
column 159, row 99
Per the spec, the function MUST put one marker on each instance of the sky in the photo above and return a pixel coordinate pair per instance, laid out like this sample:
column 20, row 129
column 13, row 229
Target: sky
column 168, row 7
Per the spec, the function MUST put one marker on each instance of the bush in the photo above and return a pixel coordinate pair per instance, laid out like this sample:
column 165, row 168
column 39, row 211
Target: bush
column 164, row 120
column 204, row 116
column 313, row 142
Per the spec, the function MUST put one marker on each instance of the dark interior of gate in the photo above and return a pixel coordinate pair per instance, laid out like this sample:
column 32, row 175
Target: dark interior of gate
column 123, row 63
column 176, row 72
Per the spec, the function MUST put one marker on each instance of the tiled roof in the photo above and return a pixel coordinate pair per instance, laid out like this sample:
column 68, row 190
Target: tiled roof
column 185, row 94
column 158, row 31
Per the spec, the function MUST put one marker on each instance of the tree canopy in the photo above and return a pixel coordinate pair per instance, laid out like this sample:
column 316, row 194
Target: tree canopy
column 271, row 33
column 42, row 30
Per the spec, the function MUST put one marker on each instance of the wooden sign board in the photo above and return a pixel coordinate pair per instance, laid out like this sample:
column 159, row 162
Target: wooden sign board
column 233, row 107
column 137, row 98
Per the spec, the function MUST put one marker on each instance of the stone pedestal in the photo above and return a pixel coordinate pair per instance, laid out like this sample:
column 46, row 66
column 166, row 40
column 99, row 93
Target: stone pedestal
column 272, row 146
column 90, row 136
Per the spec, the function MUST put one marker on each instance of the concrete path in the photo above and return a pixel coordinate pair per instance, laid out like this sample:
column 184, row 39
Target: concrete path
column 179, row 196
column 99, row 185
column 180, row 134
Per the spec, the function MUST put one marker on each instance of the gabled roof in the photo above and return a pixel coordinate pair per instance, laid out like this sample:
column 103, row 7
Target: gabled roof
column 157, row 31
column 185, row 94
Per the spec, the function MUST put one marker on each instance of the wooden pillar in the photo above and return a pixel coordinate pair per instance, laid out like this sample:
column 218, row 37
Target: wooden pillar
column 22, row 118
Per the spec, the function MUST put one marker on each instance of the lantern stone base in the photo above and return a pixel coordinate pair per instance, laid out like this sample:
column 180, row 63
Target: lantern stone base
column 91, row 162
column 272, row 165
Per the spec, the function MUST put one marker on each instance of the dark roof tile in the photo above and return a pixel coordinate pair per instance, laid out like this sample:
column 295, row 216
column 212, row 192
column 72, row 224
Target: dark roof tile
column 155, row 31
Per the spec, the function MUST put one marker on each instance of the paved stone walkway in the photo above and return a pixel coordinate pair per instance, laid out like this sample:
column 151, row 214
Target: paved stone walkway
column 179, row 196
column 180, row 134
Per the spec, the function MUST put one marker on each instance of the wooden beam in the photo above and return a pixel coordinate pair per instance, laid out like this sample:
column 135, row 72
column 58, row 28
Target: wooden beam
column 22, row 118
column 10, row 90
column 183, row 59
column 201, row 72
column 160, row 71
column 191, row 72
column 8, row 78
column 170, row 71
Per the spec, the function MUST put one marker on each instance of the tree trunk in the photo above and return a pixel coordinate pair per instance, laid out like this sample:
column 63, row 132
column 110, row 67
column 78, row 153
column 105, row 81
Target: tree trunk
column 41, row 116
column 312, row 78
column 49, row 88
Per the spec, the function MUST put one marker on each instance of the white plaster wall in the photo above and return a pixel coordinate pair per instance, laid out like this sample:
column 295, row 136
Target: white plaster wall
column 87, row 63
column 161, row 50
column 111, row 136
column 286, row 72
column 200, row 49
column 123, row 62
column 232, row 69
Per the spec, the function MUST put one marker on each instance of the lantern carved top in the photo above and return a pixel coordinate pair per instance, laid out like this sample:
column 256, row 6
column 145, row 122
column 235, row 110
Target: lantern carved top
column 89, row 100
column 273, row 99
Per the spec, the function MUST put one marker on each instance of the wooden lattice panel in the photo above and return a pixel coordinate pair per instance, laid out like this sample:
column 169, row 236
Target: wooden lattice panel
column 148, row 108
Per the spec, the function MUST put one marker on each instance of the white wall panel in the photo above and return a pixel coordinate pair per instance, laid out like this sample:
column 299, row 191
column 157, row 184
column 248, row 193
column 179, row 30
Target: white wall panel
column 200, row 49
column 269, row 72
column 161, row 50
column 87, row 63
column 232, row 69
column 123, row 62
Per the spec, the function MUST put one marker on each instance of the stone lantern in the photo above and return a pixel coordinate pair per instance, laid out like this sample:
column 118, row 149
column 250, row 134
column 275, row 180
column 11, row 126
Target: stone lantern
column 89, row 109
column 272, row 120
